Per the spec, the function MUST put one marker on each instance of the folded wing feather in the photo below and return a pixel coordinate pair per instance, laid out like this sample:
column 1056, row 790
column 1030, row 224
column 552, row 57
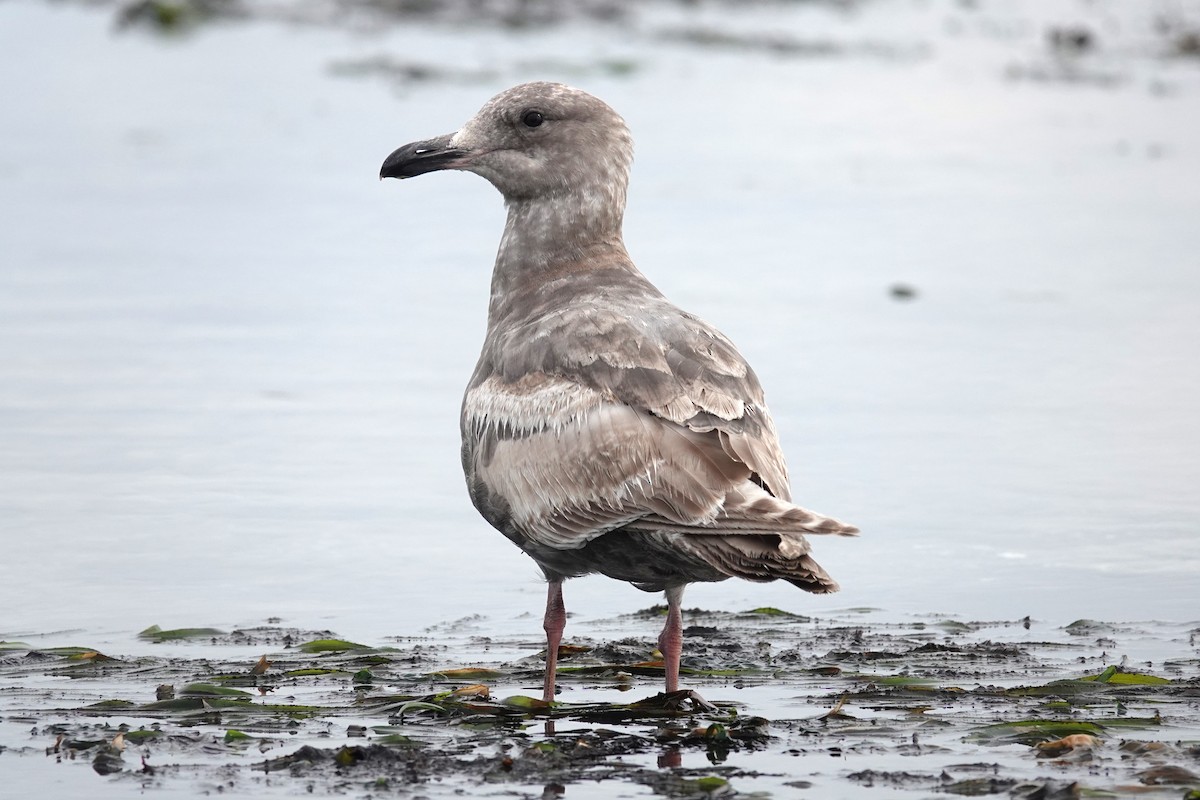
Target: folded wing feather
column 596, row 414
column 592, row 465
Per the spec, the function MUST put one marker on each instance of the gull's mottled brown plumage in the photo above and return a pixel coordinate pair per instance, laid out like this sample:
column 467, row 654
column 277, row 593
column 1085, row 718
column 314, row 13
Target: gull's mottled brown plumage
column 604, row 429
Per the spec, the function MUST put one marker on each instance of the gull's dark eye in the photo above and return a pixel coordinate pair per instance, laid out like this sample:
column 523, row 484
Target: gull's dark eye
column 532, row 119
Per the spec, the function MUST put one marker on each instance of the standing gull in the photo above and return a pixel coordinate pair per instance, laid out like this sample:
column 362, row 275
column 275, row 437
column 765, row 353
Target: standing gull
column 606, row 430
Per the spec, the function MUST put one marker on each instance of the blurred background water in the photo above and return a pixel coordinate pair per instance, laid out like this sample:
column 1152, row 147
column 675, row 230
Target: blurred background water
column 231, row 360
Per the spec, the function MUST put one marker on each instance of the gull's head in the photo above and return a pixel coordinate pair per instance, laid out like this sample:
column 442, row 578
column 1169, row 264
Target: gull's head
column 533, row 141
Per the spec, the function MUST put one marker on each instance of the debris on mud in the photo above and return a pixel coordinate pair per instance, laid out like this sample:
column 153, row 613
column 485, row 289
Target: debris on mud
column 971, row 708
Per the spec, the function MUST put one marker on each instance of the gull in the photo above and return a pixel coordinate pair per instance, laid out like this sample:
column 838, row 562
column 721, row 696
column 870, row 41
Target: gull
column 605, row 430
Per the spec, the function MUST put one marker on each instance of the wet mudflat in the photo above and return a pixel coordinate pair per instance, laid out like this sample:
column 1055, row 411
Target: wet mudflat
column 852, row 705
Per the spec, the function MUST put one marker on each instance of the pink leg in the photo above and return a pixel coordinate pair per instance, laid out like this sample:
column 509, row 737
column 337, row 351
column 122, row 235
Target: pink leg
column 555, row 621
column 670, row 641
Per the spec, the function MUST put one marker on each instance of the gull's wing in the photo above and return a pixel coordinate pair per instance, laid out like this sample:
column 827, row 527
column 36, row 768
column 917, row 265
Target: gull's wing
column 593, row 419
column 633, row 347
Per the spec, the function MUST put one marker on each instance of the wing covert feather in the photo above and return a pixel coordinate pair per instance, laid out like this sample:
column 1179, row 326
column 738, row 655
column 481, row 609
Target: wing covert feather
column 641, row 351
column 591, row 465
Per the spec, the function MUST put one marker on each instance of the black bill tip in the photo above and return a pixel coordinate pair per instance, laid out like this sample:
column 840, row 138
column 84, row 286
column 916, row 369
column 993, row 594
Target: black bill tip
column 421, row 157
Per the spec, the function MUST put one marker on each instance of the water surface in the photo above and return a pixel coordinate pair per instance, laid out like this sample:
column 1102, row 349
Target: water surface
column 231, row 359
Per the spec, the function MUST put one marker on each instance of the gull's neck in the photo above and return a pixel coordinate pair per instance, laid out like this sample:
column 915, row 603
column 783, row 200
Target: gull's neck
column 548, row 238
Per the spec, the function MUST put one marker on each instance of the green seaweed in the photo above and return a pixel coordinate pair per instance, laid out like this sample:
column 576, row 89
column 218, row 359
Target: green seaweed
column 953, row 626
column 211, row 690
column 390, row 736
column 525, row 703
column 157, row 634
column 419, row 705
column 909, row 681
column 771, row 611
column 331, row 646
column 711, row 785
column 1032, row 731
column 1115, row 677
column 111, row 705
column 76, row 653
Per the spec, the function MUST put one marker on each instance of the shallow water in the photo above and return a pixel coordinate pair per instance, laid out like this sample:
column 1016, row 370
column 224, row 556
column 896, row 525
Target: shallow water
column 231, row 360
